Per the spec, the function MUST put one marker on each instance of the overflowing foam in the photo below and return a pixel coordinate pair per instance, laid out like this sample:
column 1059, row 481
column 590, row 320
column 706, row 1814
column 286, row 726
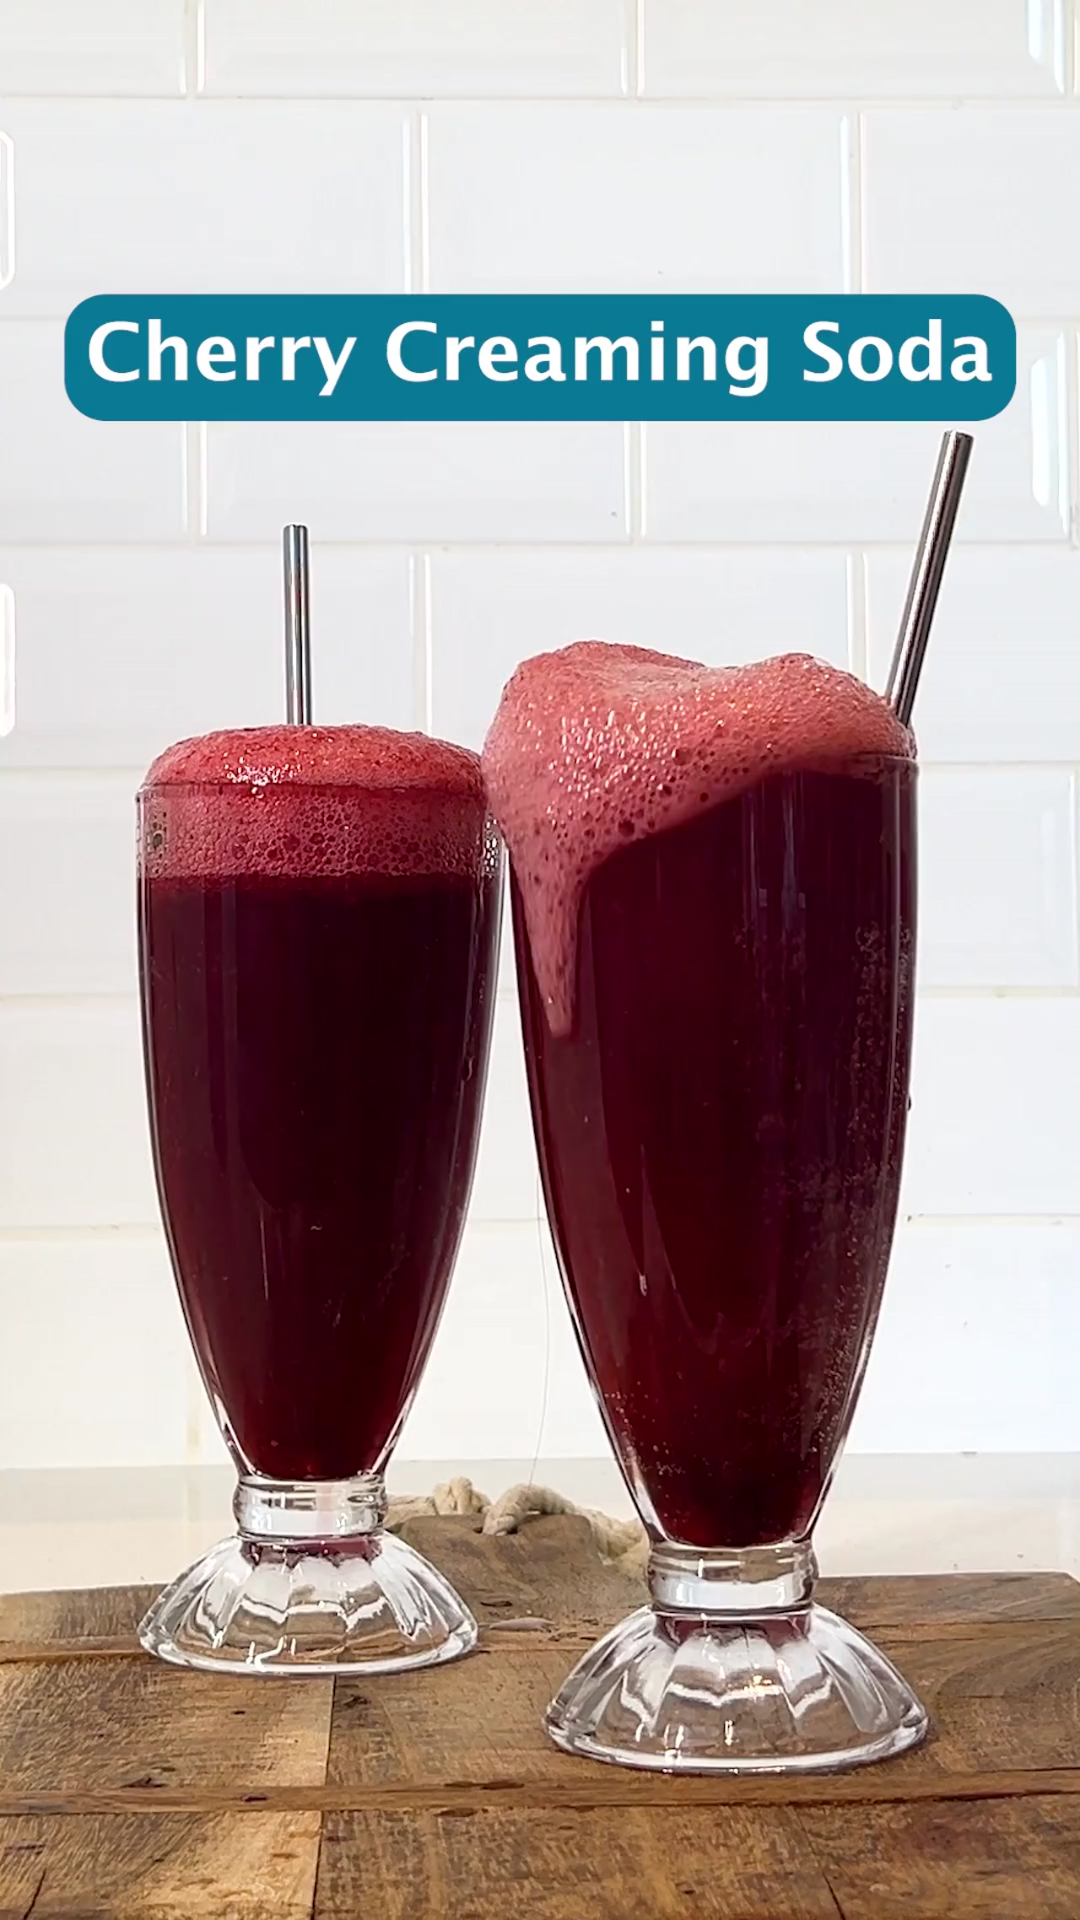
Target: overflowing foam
column 309, row 801
column 597, row 745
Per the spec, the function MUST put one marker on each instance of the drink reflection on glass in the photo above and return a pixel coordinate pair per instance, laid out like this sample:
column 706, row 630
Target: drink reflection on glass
column 318, row 917
column 714, row 913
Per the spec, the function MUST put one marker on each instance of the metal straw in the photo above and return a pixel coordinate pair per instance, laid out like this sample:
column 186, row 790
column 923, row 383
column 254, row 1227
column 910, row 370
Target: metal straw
column 294, row 548
column 925, row 583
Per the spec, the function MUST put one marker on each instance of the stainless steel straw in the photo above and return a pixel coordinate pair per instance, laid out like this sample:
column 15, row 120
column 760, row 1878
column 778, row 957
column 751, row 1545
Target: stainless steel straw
column 294, row 548
column 925, row 583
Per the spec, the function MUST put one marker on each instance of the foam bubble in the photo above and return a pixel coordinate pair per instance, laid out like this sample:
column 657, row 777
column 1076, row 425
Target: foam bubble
column 310, row 801
column 597, row 745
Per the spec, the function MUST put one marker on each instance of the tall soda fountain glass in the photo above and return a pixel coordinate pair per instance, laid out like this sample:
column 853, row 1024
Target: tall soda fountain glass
column 318, row 917
column 714, row 911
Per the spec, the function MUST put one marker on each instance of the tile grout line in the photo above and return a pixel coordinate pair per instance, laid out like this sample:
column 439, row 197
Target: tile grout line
column 883, row 545
column 941, row 105
column 862, row 197
column 204, row 479
column 193, row 446
column 425, row 205
column 66, row 1001
column 127, row 1233
column 981, row 992
column 7, row 210
column 417, row 276
column 1075, row 825
column 194, row 1393
column 1028, row 319
column 416, row 203
column 194, row 74
column 851, row 199
column 798, row 546
column 634, row 50
column 1072, row 429
column 634, row 453
column 134, row 1233
column 1064, row 434
column 8, row 646
column 858, row 602
column 422, row 650
column 985, row 1219
column 194, row 455
column 108, row 775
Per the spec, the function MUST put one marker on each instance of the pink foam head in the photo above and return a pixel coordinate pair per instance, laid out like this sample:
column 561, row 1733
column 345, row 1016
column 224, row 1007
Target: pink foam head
column 308, row 801
column 597, row 745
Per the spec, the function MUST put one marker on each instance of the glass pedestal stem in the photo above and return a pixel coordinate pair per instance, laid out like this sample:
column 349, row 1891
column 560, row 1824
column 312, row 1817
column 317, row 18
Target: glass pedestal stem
column 733, row 1667
column 297, row 1513
column 311, row 1582
column 730, row 1583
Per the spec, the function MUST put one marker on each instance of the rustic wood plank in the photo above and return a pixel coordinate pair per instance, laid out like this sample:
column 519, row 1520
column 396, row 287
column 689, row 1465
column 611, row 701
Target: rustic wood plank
column 549, row 1570
column 936, row 1861
column 479, row 1720
column 120, row 1723
column 77, row 1613
column 1016, row 1662
column 21, row 1653
column 159, row 1867
column 935, row 1600
column 640, row 1865
column 1007, row 1705
column 926, row 1862
column 580, row 1788
column 131, row 1789
column 998, row 1700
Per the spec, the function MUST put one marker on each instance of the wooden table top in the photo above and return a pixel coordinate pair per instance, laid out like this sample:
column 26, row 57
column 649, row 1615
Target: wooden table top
column 132, row 1789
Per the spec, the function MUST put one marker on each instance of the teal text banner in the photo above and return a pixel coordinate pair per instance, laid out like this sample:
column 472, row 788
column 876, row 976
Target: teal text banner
column 540, row 357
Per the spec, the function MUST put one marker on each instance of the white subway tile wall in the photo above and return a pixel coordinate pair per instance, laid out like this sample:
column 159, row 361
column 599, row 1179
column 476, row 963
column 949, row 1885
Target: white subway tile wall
column 550, row 48
column 66, row 478
column 652, row 144
column 505, row 1372
column 66, row 47
column 93, row 1363
column 1000, row 182
column 121, row 652
column 997, row 877
column 66, row 837
column 1004, row 684
column 410, row 481
column 988, row 1315
column 173, row 196
column 73, row 1140
column 850, row 481
column 577, row 198
column 908, row 48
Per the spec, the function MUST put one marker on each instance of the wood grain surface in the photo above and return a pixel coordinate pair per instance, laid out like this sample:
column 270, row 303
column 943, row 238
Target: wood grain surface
column 132, row 1789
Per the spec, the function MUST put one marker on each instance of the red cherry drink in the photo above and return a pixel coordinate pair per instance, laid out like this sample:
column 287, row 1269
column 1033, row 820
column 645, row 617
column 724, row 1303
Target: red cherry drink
column 714, row 891
column 318, row 908
column 714, row 910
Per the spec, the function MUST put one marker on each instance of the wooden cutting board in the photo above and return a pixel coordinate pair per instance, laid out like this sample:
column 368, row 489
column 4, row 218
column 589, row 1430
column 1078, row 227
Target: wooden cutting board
column 132, row 1789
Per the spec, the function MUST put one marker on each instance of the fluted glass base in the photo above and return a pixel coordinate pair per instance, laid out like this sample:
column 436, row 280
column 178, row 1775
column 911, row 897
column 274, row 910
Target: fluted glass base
column 733, row 1669
column 310, row 1583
